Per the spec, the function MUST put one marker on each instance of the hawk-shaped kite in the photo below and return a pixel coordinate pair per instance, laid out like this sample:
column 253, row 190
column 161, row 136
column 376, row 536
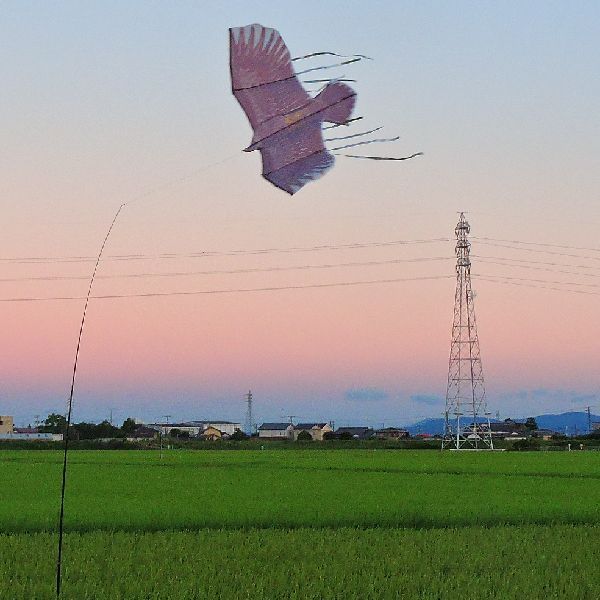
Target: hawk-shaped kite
column 286, row 120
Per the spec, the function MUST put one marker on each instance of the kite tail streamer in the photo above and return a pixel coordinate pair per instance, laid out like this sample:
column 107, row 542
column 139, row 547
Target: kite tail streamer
column 347, row 137
column 394, row 139
column 329, row 80
column 340, row 124
column 340, row 64
column 312, row 54
column 382, row 157
column 70, row 409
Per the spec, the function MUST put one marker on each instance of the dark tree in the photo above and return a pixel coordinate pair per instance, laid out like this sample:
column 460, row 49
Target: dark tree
column 54, row 423
column 91, row 431
column 531, row 424
column 105, row 429
column 304, row 436
column 528, row 445
column 129, row 426
column 238, row 434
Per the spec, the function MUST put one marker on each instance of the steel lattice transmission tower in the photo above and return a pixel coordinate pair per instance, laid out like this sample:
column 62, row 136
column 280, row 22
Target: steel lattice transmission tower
column 467, row 424
column 249, row 422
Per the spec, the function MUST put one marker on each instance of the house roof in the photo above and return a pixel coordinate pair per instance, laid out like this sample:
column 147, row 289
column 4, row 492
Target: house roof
column 274, row 426
column 384, row 429
column 210, row 422
column 211, row 431
column 25, row 430
column 309, row 425
column 545, row 432
column 172, row 425
column 353, row 430
column 143, row 431
column 507, row 427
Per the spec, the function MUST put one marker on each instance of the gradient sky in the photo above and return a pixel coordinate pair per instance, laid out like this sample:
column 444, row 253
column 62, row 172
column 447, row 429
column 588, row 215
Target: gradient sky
column 104, row 102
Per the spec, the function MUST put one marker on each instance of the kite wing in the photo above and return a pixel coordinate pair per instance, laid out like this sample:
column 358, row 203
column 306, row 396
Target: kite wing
column 285, row 119
column 295, row 156
column 262, row 77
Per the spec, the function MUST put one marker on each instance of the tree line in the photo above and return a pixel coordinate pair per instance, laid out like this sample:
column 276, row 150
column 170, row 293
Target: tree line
column 55, row 423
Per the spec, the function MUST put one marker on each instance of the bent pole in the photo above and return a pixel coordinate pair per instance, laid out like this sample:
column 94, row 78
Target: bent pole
column 70, row 408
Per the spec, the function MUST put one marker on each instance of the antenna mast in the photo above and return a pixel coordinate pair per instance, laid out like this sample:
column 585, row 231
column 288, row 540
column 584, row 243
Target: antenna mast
column 467, row 423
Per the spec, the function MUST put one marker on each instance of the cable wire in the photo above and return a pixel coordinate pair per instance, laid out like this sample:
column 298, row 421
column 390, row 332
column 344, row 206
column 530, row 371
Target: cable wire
column 208, row 253
column 231, row 271
column 232, row 291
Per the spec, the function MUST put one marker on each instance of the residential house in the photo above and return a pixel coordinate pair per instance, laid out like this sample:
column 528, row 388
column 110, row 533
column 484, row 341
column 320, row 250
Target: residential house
column 141, row 432
column 276, row 431
column 211, row 434
column 28, row 430
column 226, row 427
column 391, row 433
column 355, row 433
column 315, row 430
column 509, row 430
column 544, row 434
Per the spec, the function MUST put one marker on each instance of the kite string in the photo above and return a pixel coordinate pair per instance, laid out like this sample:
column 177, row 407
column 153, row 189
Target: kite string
column 174, row 182
column 138, row 198
column 70, row 408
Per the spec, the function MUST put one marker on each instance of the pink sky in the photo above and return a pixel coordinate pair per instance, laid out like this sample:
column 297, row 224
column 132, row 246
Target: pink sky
column 505, row 113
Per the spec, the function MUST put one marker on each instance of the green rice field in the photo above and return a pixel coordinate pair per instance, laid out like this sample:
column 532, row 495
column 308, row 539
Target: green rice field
column 303, row 524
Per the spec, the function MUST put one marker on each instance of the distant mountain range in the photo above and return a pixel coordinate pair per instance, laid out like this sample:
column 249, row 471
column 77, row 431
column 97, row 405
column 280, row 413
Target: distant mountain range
column 569, row 423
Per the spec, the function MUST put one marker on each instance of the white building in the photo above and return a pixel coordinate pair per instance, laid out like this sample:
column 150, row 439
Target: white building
column 196, row 428
column 226, row 427
column 42, row 437
column 276, row 431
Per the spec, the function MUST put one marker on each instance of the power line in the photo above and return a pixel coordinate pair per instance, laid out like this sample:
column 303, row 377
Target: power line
column 208, row 253
column 575, row 283
column 563, row 246
column 535, row 262
column 229, row 271
column 231, row 291
column 538, row 250
column 546, row 269
column 499, row 279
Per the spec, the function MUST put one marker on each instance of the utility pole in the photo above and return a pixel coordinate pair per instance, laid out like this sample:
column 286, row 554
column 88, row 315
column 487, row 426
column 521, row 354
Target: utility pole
column 465, row 395
column 163, row 432
column 249, row 422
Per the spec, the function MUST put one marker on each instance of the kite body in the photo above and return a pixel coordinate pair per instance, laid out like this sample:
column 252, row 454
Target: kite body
column 286, row 120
